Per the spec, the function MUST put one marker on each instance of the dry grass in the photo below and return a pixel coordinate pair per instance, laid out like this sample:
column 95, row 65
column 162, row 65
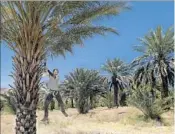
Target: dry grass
column 125, row 120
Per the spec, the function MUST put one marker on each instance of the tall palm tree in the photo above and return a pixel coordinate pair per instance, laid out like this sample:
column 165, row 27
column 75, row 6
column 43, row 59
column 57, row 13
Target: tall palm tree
column 120, row 76
column 33, row 30
column 155, row 66
column 86, row 84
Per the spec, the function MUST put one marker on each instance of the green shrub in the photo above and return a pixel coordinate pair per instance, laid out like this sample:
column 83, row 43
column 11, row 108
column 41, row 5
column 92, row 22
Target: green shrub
column 109, row 100
column 84, row 85
column 123, row 97
column 1, row 105
column 171, row 95
column 152, row 107
column 9, row 100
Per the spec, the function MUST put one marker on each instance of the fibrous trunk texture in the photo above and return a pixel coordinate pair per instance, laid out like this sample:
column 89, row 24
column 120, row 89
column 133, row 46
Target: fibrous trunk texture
column 116, row 91
column 164, row 92
column 27, row 65
column 25, row 121
column 164, row 81
column 27, row 79
column 82, row 105
column 91, row 102
column 72, row 102
column 116, row 96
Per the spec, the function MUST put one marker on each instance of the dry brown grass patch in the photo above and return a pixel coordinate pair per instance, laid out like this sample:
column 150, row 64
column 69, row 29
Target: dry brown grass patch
column 124, row 120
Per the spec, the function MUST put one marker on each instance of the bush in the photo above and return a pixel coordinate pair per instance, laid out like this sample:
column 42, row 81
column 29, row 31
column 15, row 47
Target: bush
column 152, row 107
column 171, row 94
column 123, row 97
column 109, row 100
column 9, row 99
column 1, row 105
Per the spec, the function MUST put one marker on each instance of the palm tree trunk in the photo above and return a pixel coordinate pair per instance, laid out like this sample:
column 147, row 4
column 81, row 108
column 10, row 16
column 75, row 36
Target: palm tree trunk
column 116, row 96
column 72, row 102
column 164, row 82
column 25, row 121
column 123, row 99
column 27, row 65
column 91, row 102
column 153, row 83
column 164, row 92
column 27, row 78
column 164, row 89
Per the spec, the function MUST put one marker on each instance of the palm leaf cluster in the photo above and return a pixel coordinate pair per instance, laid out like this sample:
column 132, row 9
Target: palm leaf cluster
column 77, row 23
column 151, row 107
column 119, row 70
column 85, row 84
column 156, row 64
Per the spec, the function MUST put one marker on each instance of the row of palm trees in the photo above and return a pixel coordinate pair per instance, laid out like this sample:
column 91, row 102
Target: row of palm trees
column 35, row 30
column 155, row 67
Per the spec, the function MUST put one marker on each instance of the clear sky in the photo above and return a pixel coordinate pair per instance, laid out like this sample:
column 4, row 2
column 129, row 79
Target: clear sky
column 132, row 24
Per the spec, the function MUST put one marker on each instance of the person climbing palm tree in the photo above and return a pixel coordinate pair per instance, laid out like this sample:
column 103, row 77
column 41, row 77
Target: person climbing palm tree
column 52, row 85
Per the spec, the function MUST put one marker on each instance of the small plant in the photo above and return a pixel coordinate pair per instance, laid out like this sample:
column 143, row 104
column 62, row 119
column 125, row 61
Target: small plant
column 1, row 105
column 109, row 100
column 9, row 100
column 171, row 94
column 152, row 107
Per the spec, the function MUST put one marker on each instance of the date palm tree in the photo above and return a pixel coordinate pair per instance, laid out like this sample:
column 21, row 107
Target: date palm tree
column 10, row 98
column 85, row 84
column 35, row 29
column 68, row 92
column 156, row 66
column 120, row 76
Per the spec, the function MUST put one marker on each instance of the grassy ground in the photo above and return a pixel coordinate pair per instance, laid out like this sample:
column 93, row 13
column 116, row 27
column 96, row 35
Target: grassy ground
column 124, row 120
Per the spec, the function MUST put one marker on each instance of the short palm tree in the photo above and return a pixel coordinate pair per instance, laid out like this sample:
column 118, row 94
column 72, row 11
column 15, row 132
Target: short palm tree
column 155, row 66
column 10, row 98
column 68, row 92
column 120, row 76
column 86, row 84
column 33, row 29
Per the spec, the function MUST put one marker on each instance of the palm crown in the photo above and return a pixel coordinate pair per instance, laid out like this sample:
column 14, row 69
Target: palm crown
column 155, row 64
column 115, row 66
column 62, row 24
column 120, row 78
column 83, row 84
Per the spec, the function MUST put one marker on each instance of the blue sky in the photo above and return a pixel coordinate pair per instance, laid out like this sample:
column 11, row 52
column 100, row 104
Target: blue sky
column 132, row 24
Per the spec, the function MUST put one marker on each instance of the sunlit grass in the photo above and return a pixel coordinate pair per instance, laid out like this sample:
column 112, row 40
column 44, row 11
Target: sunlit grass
column 124, row 120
